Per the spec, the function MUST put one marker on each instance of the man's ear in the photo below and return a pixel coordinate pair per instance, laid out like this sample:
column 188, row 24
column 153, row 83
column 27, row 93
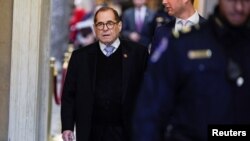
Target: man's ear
column 120, row 26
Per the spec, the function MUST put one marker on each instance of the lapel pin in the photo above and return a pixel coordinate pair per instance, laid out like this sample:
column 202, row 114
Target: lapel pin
column 125, row 55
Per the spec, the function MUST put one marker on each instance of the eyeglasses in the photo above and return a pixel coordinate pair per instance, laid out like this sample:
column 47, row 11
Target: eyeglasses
column 109, row 25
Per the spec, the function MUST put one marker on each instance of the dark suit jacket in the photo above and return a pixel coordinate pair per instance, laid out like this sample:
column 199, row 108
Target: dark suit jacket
column 79, row 87
column 164, row 31
column 129, row 25
column 189, row 92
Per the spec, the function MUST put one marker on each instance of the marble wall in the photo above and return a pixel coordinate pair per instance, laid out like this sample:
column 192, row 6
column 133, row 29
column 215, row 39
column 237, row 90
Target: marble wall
column 5, row 58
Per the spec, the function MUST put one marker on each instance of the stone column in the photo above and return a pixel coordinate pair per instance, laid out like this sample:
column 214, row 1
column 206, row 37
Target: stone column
column 5, row 56
column 29, row 86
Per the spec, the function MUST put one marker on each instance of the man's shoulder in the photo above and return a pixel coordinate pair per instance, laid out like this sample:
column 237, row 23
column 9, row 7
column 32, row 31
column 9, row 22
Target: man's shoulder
column 131, row 43
column 202, row 19
column 195, row 32
column 165, row 29
column 170, row 24
column 87, row 49
column 128, row 11
column 150, row 12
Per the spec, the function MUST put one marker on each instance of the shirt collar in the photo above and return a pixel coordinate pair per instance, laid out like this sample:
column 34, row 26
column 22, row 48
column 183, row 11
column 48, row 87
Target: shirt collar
column 194, row 18
column 115, row 44
column 142, row 8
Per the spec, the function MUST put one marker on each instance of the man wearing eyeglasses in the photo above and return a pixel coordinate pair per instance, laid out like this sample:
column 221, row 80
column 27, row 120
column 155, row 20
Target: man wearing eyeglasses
column 198, row 89
column 102, row 83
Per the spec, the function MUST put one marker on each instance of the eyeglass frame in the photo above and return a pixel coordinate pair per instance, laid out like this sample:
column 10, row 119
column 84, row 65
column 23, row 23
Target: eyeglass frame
column 100, row 25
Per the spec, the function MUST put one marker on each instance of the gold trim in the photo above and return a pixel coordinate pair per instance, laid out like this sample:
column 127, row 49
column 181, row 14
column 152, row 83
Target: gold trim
column 199, row 54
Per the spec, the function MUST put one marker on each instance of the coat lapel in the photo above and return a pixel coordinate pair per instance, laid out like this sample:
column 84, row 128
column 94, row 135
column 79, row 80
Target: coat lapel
column 92, row 65
column 201, row 19
column 133, row 23
column 148, row 17
column 126, row 60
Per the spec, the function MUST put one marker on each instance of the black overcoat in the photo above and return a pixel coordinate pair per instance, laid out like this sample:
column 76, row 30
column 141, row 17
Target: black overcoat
column 79, row 87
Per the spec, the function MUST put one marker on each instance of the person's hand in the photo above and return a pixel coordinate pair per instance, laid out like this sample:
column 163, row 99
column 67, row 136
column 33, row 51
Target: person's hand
column 68, row 135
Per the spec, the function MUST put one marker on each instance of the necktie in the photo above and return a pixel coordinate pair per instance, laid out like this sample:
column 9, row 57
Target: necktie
column 183, row 23
column 139, row 21
column 109, row 50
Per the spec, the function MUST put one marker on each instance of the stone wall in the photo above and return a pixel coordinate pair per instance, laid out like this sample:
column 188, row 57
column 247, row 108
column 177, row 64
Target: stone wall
column 5, row 57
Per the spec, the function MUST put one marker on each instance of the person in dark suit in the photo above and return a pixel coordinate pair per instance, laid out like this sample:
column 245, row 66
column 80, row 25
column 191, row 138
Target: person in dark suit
column 138, row 23
column 161, row 17
column 197, row 84
column 184, row 15
column 102, row 84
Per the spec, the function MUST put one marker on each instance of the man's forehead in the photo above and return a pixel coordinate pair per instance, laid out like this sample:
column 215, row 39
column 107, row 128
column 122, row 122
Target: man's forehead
column 105, row 16
column 106, row 12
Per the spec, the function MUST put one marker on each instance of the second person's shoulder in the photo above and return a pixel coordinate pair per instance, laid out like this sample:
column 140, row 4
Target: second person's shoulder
column 129, row 43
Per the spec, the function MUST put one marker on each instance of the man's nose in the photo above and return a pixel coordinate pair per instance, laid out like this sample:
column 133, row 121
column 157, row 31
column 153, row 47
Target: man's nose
column 164, row 1
column 105, row 27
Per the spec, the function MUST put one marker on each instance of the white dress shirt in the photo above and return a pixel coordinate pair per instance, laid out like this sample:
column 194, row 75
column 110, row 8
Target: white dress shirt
column 115, row 44
column 140, row 13
column 180, row 23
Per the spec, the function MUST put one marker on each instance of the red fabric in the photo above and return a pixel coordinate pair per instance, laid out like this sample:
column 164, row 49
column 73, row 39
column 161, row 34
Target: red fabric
column 77, row 16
